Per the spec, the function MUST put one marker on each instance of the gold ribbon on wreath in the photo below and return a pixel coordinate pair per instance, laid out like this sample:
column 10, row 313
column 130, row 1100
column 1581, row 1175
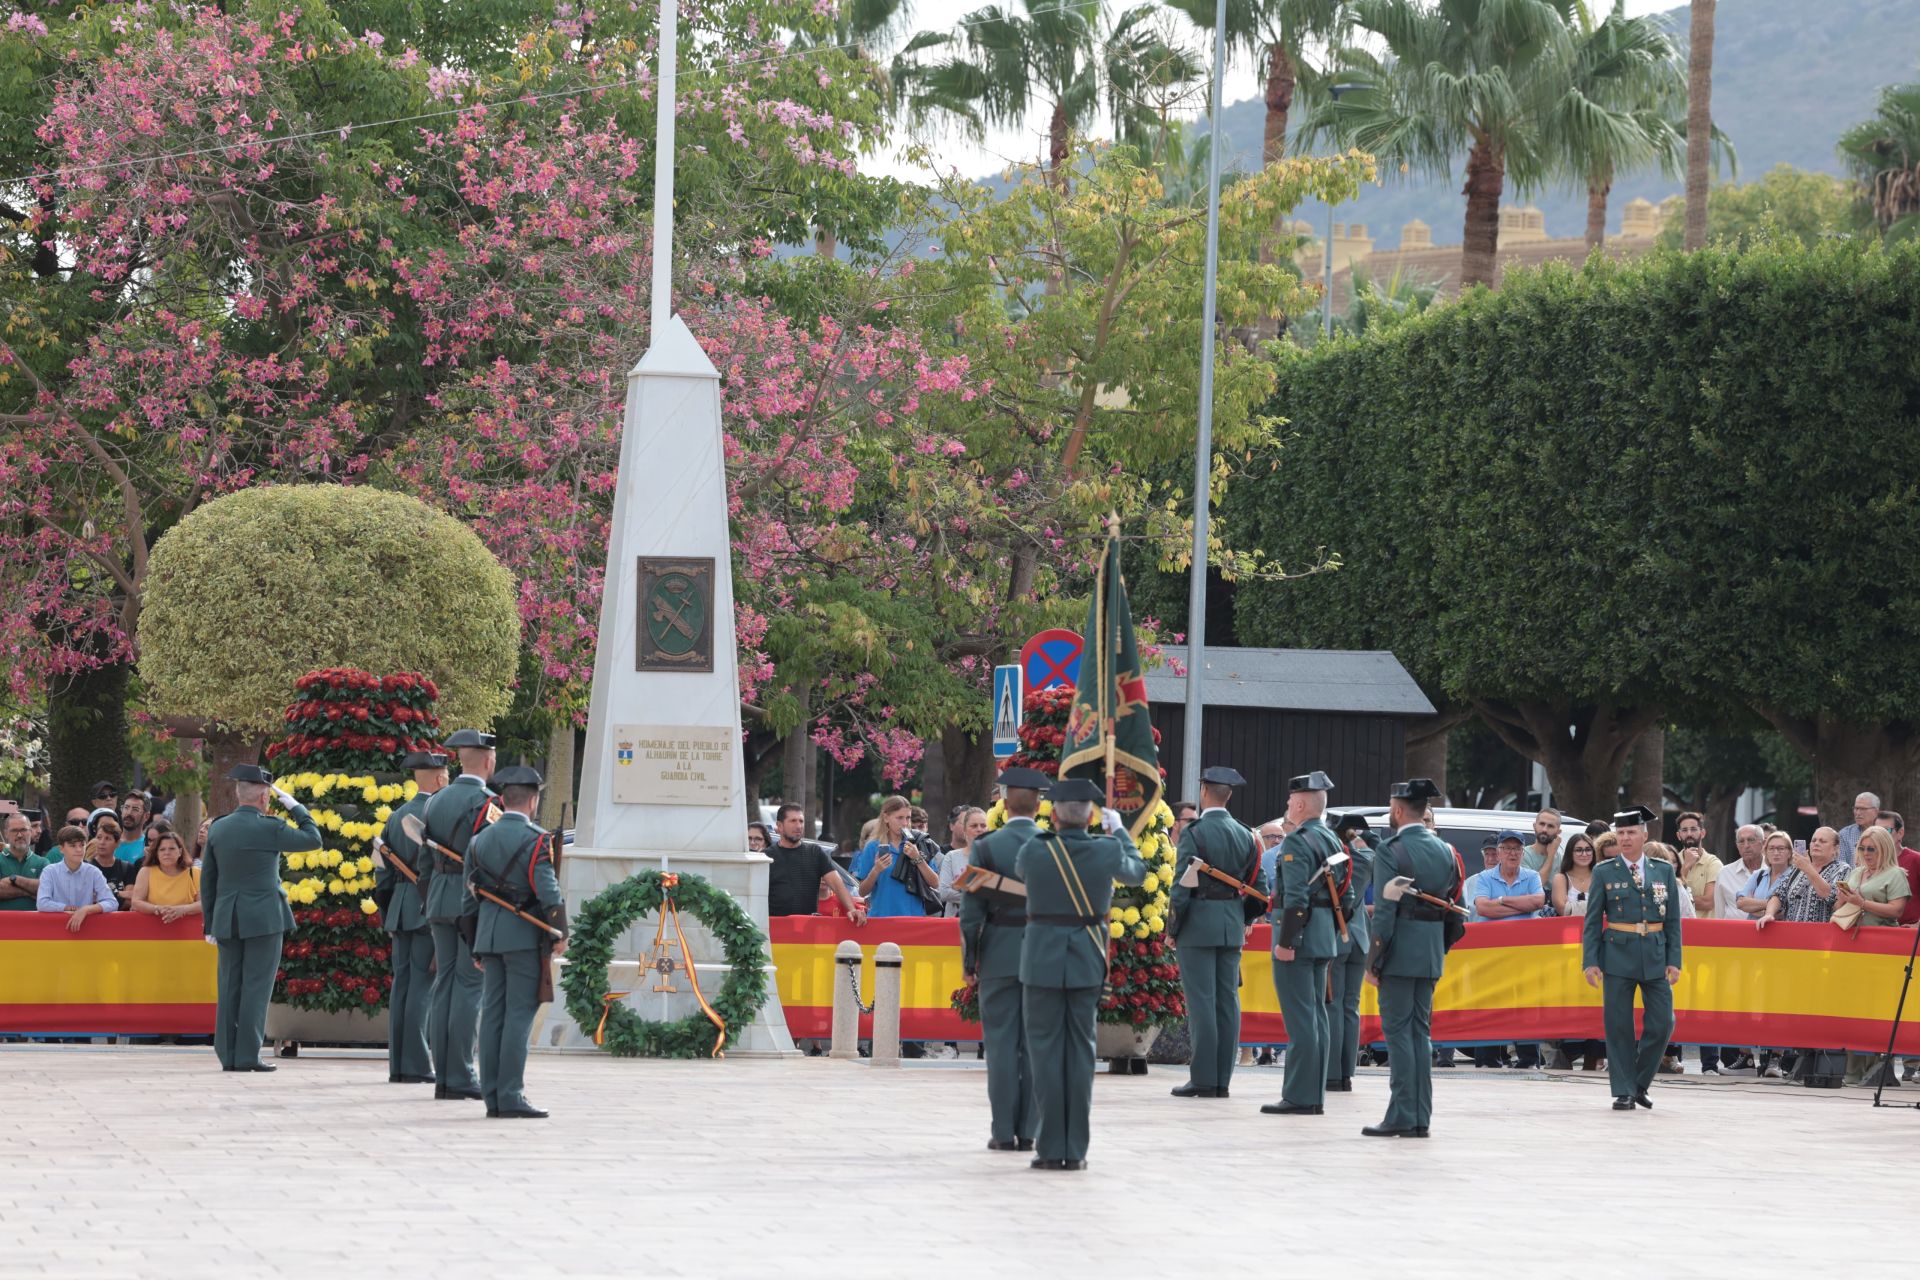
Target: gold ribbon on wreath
column 669, row 911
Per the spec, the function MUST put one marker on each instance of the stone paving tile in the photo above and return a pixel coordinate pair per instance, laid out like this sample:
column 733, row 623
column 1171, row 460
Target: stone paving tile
column 815, row 1168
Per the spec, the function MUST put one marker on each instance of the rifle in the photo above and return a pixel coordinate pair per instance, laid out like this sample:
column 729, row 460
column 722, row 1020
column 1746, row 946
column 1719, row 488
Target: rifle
column 1338, row 860
column 417, row 832
column 1402, row 887
column 383, row 853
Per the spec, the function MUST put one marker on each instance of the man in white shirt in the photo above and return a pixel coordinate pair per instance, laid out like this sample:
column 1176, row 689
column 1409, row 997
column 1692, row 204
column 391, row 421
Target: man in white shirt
column 1866, row 811
column 1732, row 882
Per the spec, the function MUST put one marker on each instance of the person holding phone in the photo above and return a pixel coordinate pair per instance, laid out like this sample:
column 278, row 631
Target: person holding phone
column 887, row 893
column 1806, row 894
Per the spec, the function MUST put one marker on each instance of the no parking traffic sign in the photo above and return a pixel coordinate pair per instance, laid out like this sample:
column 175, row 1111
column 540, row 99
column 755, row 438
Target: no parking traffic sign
column 1051, row 658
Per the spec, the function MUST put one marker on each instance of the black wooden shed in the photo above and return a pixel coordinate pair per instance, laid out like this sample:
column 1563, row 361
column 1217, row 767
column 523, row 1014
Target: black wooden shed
column 1275, row 713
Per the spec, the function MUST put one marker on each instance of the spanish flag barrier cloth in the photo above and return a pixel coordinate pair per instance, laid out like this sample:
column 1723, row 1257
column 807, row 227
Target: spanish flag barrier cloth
column 1806, row 986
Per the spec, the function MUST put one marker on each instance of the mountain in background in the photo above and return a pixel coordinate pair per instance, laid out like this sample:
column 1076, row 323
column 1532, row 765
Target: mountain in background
column 1789, row 77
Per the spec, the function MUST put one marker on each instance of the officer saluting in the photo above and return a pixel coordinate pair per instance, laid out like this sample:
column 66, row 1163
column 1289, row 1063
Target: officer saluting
column 1409, row 952
column 1348, row 971
column 992, row 925
column 405, row 900
column 453, row 816
column 513, row 859
column 1631, row 941
column 1063, row 961
column 1210, row 924
column 246, row 910
column 1304, row 944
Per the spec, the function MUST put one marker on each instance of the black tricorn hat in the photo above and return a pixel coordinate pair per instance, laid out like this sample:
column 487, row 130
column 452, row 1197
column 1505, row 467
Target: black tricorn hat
column 1023, row 777
column 1221, row 775
column 1415, row 790
column 1076, row 789
column 1350, row 822
column 249, row 773
column 516, row 775
column 471, row 738
column 1638, row 816
column 1315, row 781
column 424, row 760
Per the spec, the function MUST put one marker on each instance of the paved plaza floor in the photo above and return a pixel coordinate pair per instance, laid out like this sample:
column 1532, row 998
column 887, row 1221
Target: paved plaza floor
column 129, row 1161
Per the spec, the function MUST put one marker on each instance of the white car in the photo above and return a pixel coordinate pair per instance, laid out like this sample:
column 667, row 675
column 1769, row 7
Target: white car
column 1467, row 829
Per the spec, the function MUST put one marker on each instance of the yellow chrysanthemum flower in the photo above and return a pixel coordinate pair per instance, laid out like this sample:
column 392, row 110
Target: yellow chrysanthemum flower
column 336, row 885
column 1142, row 931
column 1131, row 916
column 1151, row 883
column 1117, row 930
column 365, row 864
column 296, row 862
column 411, row 789
column 368, row 907
column 370, row 794
column 1157, row 924
column 381, row 815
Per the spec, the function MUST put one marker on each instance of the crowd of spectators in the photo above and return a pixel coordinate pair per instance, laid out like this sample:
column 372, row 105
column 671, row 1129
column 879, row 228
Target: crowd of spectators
column 119, row 854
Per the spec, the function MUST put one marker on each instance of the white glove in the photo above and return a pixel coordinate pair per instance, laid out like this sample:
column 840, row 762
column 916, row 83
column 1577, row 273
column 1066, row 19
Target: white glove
column 210, row 939
column 286, row 801
column 1111, row 820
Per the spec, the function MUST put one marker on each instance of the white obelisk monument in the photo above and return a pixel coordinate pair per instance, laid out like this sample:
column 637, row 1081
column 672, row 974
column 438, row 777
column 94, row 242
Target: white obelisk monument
column 664, row 788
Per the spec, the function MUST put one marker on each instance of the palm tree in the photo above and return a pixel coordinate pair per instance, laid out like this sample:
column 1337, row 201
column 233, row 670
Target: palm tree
column 1001, row 62
column 1625, row 86
column 1883, row 154
column 1283, row 32
column 1699, row 119
column 1481, row 76
column 860, row 27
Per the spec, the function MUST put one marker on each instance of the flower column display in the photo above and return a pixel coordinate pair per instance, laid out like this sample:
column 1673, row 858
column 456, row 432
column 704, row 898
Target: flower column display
column 1143, row 980
column 347, row 736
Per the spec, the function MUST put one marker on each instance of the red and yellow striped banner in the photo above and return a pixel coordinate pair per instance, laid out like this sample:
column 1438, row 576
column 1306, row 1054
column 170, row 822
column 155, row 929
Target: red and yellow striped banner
column 121, row 974
column 1791, row 985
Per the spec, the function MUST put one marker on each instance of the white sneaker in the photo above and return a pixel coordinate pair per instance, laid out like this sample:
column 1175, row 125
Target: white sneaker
column 1710, row 1071
column 1773, row 1073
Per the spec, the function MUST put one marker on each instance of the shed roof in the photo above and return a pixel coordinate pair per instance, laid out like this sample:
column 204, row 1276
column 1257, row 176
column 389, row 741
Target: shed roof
column 1364, row 682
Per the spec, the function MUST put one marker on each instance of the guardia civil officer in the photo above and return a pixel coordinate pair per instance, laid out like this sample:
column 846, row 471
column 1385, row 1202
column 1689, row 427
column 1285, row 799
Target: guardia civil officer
column 1348, row 971
column 1408, row 953
column 1631, row 942
column 514, row 860
column 453, row 816
column 1305, row 942
column 404, row 900
column 1063, row 960
column 1209, row 928
column 992, row 925
column 246, row 909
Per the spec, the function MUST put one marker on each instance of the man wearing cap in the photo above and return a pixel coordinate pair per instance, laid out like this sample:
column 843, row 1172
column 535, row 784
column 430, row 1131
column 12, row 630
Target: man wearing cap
column 246, row 909
column 1348, row 972
column 1631, row 941
column 453, row 816
column 513, row 859
column 409, row 1061
column 1209, row 929
column 992, row 927
column 1305, row 942
column 1408, row 953
column 1507, row 891
column 1063, row 960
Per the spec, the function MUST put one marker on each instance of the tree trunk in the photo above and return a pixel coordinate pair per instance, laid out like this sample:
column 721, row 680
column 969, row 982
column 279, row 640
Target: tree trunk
column 228, row 750
column 935, row 791
column 1486, row 177
column 1059, row 145
column 968, row 773
column 1280, row 82
column 1719, row 811
column 1427, row 739
column 1597, row 213
column 1699, row 120
column 1848, row 759
column 1648, row 783
column 825, row 242
column 87, row 734
column 1583, row 748
column 186, row 816
column 793, row 761
column 556, row 802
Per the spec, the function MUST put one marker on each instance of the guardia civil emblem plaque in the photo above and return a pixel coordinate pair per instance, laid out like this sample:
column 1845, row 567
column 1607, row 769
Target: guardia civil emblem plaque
column 676, row 614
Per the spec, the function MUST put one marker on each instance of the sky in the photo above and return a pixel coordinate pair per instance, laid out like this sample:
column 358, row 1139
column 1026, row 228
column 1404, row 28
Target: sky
column 955, row 153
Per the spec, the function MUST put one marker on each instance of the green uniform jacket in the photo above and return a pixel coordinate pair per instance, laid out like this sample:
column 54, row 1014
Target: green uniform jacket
column 1200, row 919
column 994, row 948
column 456, row 812
column 1354, row 901
column 1069, row 956
column 1613, row 898
column 1305, row 850
column 514, row 859
column 1412, row 948
column 240, row 893
column 407, row 908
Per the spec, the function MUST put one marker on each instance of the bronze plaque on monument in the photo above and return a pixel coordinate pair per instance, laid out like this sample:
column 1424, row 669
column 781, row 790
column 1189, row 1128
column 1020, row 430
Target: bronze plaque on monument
column 676, row 614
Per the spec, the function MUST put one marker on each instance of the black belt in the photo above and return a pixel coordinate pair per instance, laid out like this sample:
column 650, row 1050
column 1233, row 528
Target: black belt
column 1011, row 920
column 1069, row 922
column 1425, row 911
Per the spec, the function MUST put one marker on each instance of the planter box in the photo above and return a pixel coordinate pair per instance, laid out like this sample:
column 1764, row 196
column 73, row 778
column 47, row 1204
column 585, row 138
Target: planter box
column 1113, row 1040
column 286, row 1024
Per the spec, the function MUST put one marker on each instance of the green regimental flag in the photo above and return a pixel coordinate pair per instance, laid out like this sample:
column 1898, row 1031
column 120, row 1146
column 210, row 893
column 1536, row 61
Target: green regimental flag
column 1109, row 735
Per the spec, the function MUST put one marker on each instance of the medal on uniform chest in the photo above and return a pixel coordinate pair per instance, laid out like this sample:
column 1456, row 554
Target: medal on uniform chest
column 1659, row 895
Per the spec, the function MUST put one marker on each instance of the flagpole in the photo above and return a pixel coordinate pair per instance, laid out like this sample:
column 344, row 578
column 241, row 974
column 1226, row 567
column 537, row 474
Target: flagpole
column 1112, row 722
column 660, row 305
column 1203, row 451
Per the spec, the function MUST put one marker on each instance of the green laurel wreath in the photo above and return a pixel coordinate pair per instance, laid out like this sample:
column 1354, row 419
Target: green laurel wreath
column 590, row 951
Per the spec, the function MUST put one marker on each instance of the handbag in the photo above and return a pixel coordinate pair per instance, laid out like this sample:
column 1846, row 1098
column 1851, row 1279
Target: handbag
column 1848, row 916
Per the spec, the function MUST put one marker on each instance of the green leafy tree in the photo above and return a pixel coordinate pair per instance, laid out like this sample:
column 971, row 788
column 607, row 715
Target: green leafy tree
column 1883, row 155
column 1624, row 105
column 1285, row 35
column 1786, row 204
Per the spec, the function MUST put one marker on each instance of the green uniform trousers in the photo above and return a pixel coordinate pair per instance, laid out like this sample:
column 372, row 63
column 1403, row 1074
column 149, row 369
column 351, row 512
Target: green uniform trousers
column 1302, row 988
column 509, row 996
column 1630, row 1062
column 1009, row 1074
column 1406, row 1024
column 407, row 1004
column 455, row 1015
column 244, row 986
column 1060, row 1040
column 1348, row 973
column 1210, row 977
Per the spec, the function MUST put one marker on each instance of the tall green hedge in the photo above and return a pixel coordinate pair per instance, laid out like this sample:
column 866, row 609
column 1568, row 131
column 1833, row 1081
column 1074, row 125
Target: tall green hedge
column 1685, row 477
column 257, row 588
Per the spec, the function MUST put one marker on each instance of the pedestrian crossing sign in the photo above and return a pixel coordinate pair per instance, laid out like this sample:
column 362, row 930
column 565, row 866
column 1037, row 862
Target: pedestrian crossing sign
column 1007, row 700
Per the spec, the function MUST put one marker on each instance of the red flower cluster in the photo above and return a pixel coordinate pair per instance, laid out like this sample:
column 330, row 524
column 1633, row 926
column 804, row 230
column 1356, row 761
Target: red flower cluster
column 1143, row 984
column 335, row 680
